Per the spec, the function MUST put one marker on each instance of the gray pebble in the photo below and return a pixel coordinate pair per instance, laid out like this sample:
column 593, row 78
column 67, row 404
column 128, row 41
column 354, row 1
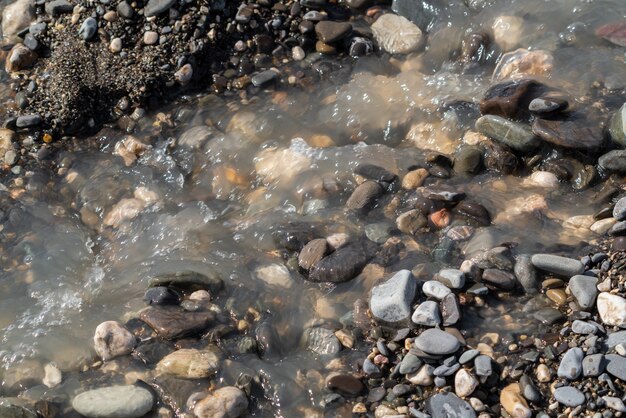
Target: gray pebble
column 562, row 266
column 427, row 314
column 468, row 356
column 88, row 28
column 482, row 364
column 436, row 341
column 571, row 364
column 619, row 211
column 569, row 396
column 593, row 365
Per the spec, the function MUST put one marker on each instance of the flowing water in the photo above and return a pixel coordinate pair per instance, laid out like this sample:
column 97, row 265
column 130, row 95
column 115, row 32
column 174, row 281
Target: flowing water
column 211, row 190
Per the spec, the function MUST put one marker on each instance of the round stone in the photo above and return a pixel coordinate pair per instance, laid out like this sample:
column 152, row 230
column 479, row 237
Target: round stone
column 437, row 342
column 114, row 401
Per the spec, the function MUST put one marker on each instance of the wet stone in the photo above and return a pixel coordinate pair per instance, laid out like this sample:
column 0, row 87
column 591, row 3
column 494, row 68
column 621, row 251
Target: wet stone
column 584, row 290
column 378, row 232
column 345, row 384
column 329, row 32
column 512, row 134
column 114, row 401
column 189, row 281
column 482, row 364
column 548, row 316
column 58, row 7
column 450, row 310
column 574, row 133
column 12, row 408
column 437, row 342
column 613, row 161
column 376, row 173
column 396, row 34
column 593, row 365
column 322, row 341
column 547, row 105
column 468, row 159
column 226, row 402
column 508, row 98
column 112, row 340
column 364, row 196
column 619, row 229
column 191, row 363
column 446, row 405
column 161, row 295
column 452, row 278
column 500, row 279
column 562, row 266
column 264, row 78
column 526, row 274
column 410, row 364
column 88, row 28
column 619, row 210
column 312, row 252
column 391, row 301
column 411, row 222
column 570, row 366
column 569, row 396
column 342, row 265
column 613, row 32
column 435, row 289
column 172, row 322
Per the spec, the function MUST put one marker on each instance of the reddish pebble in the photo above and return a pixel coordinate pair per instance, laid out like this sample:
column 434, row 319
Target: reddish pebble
column 613, row 32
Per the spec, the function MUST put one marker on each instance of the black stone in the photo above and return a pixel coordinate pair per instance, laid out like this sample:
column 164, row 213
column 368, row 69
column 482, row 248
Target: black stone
column 342, row 265
column 58, row 7
column 161, row 295
column 156, row 7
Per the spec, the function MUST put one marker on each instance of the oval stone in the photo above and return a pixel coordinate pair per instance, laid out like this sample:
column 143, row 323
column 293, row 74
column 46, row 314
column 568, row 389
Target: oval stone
column 437, row 342
column 114, row 401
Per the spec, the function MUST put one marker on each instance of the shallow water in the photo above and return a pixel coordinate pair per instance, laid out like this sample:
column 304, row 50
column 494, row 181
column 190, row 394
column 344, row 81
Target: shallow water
column 72, row 257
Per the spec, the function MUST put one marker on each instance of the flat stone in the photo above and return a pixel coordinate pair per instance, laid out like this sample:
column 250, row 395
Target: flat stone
column 616, row 366
column 396, row 34
column 582, row 327
column 573, row 133
column 28, row 121
column 548, row 316
column 452, row 278
column 562, row 266
column 593, row 365
column 507, row 98
column 584, row 290
column 374, row 172
column 156, row 7
column 614, row 403
column 427, row 314
column 226, row 402
column 613, row 32
column 342, row 265
column 468, row 356
column 345, row 384
column 512, row 134
column 571, row 364
column 569, row 396
column 321, row 341
column 437, row 342
column 450, row 310
column 173, row 322
column 612, row 309
column 56, row 8
column 264, row 78
column 547, row 105
column 16, row 408
column 274, row 274
column 447, row 405
column 435, row 289
column 114, row 401
column 526, row 274
column 189, row 281
column 619, row 210
column 312, row 252
column 613, row 161
column 499, row 278
column 391, row 301
column 190, row 363
column 616, row 338
column 329, row 32
column 364, row 196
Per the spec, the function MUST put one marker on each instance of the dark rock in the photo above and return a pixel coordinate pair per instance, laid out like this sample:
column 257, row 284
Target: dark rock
column 547, row 105
column 264, row 78
column 500, row 159
column 526, row 274
column 508, row 98
column 447, row 405
column 58, row 7
column 125, row 10
column 475, row 47
column 573, row 132
column 618, row 229
column 345, row 384
column 28, row 121
column 152, row 351
column 468, row 159
column 161, row 295
column 189, row 281
column 450, row 310
column 88, row 28
column 359, row 4
column 364, row 196
column 613, row 32
column 342, row 265
column 268, row 342
column 475, row 211
column 360, row 47
column 512, row 134
column 374, row 172
column 613, row 161
column 174, row 322
column 329, row 32
column 312, row 252
column 500, row 279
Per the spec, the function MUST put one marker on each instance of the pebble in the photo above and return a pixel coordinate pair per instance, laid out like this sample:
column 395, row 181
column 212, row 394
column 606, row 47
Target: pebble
column 116, row 45
column 396, row 34
column 184, row 74
column 297, row 53
column 322, row 341
column 88, row 28
column 450, row 310
column 619, row 210
column 526, row 274
column 114, row 401
column 613, row 161
column 574, row 132
column 190, row 363
column 505, row 98
column 529, row 391
column 275, row 275
column 427, row 314
column 423, row 377
column 593, row 365
column 329, row 32
column 570, row 366
column 613, row 32
column 364, row 196
column 156, row 7
column 150, row 37
column 435, row 289
column 391, row 301
column 512, row 134
column 557, row 296
column 411, row 222
column 547, row 105
column 226, row 402
column 513, row 402
column 173, row 322
column 125, row 10
column 414, row 179
column 569, row 396
column 603, row 226
column 584, row 290
column 581, row 327
column 437, row 342
column 56, row 8
column 452, row 278
column 52, row 375
column 543, row 373
column 468, row 356
column 342, row 265
column 562, row 266
column 446, row 405
column 112, row 340
column 523, row 62
column 482, row 365
column 499, row 278
column 543, row 179
column 19, row 58
column 345, row 384
column 16, row 17
column 312, row 252
column 614, row 403
column 264, row 78
column 161, row 295
column 507, row 31
column 410, row 364
column 464, row 383
column 612, row 309
column 616, row 366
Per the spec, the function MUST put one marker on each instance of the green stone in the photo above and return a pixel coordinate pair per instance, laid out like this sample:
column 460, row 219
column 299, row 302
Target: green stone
column 512, row 134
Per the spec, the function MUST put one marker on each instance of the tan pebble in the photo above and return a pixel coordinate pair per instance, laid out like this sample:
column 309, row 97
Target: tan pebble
column 602, row 226
column 320, row 141
column 492, row 338
column 543, row 373
column 552, row 284
column 485, row 349
column 513, row 402
column 414, row 179
column 359, row 408
column 557, row 296
column 345, row 338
